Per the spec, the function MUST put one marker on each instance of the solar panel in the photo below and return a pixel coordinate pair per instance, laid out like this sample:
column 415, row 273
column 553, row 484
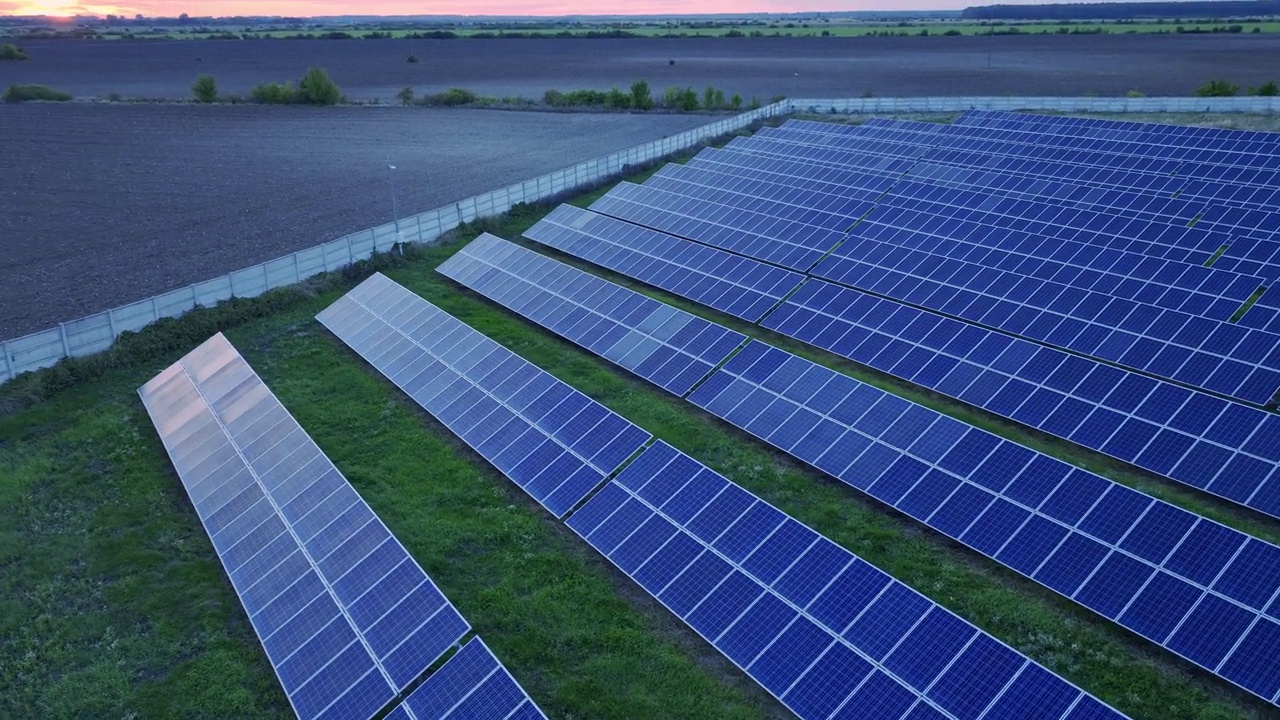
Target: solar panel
column 471, row 684
column 347, row 618
column 553, row 441
column 1219, row 357
column 789, row 243
column 1173, row 577
column 1013, row 504
column 666, row 346
column 730, row 283
column 1210, row 443
column 823, row 631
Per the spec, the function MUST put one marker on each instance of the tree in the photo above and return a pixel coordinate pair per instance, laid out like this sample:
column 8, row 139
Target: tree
column 317, row 88
column 1268, row 89
column 1217, row 88
column 640, row 97
column 9, row 51
column 405, row 96
column 205, row 89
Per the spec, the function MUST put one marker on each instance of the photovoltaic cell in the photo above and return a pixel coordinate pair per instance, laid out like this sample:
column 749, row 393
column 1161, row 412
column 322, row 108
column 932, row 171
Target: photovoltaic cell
column 816, row 626
column 792, row 244
column 472, row 684
column 1191, row 437
column 730, row 283
column 347, row 618
column 1033, row 513
column 1109, row 548
column 553, row 441
column 666, row 346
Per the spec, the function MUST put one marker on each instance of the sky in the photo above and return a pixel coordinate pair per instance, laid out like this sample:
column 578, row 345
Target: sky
column 305, row 8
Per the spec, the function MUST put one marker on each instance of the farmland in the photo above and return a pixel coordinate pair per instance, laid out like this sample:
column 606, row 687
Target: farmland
column 762, row 67
column 119, row 202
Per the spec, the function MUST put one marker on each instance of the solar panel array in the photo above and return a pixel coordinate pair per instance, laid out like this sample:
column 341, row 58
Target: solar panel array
column 666, row 346
column 472, row 684
column 1113, row 550
column 828, row 634
column 347, row 618
column 553, row 441
column 1225, row 448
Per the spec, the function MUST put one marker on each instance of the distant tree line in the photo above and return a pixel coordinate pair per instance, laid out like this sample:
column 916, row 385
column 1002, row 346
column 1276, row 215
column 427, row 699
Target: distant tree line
column 1125, row 11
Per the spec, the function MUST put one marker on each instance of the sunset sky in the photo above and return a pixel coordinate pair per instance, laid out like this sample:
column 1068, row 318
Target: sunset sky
column 171, row 8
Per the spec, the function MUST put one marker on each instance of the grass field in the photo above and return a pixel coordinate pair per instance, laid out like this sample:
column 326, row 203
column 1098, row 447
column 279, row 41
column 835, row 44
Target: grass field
column 112, row 603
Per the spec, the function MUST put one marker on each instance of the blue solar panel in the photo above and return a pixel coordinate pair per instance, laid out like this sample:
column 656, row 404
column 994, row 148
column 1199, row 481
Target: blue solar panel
column 820, row 629
column 792, row 244
column 346, row 616
column 967, row 483
column 1096, row 542
column 1089, row 322
column 472, row 684
column 553, row 441
column 729, row 283
column 666, row 346
column 1164, row 428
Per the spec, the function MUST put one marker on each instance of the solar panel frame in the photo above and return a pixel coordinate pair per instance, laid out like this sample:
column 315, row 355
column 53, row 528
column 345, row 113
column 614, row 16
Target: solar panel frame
column 801, row 615
column 472, row 683
column 551, row 440
column 260, row 508
column 667, row 346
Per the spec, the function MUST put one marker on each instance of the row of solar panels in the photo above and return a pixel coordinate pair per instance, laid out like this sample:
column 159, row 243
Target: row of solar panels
column 823, row 631
column 1203, row 590
column 346, row 616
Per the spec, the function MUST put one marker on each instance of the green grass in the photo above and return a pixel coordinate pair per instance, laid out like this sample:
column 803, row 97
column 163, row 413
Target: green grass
column 26, row 93
column 112, row 602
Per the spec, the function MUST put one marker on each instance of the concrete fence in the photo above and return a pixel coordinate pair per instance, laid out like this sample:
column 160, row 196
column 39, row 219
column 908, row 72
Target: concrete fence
column 96, row 333
column 1052, row 104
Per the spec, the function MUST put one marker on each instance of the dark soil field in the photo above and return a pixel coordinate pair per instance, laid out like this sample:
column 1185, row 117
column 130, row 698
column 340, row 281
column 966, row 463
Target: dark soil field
column 102, row 205
column 762, row 67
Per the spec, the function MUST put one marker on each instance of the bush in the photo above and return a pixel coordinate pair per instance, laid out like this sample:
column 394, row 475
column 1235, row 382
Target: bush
column 735, row 102
column 273, row 93
column 316, row 88
column 449, row 98
column 1135, row 94
column 1268, row 89
column 412, row 58
column 9, row 51
column 615, row 99
column 576, row 98
column 405, row 96
column 712, row 98
column 640, row 97
column 205, row 88
column 23, row 93
column 1217, row 88
column 680, row 99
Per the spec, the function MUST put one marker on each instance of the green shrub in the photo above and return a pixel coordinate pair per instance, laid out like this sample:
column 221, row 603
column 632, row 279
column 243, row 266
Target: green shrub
column 23, row 93
column 680, row 99
column 405, row 96
column 9, row 51
column 316, row 88
column 1134, row 94
column 450, row 98
column 640, row 97
column 273, row 93
column 1267, row 89
column 412, row 58
column 712, row 98
column 575, row 98
column 1217, row 88
column 205, row 88
column 735, row 102
column 615, row 99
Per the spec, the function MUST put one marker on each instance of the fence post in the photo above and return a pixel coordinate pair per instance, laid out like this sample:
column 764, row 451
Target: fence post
column 266, row 281
column 351, row 255
column 8, row 361
column 111, row 324
column 297, row 269
column 66, row 347
column 155, row 312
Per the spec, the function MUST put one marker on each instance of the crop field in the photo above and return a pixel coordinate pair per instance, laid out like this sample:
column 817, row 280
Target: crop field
column 113, row 604
column 107, row 204
column 1106, row 65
